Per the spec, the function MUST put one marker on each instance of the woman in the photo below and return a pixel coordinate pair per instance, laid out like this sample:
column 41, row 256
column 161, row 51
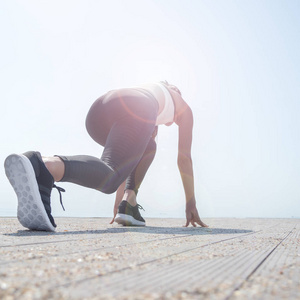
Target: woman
column 125, row 122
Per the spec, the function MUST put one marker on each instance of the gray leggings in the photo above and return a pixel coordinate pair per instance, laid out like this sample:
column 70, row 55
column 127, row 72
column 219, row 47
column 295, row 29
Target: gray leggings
column 124, row 126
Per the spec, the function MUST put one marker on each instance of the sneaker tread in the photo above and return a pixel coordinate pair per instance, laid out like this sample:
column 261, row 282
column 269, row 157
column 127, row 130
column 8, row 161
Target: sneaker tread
column 31, row 211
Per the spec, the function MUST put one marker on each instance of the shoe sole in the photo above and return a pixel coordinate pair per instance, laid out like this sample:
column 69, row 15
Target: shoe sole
column 31, row 211
column 128, row 220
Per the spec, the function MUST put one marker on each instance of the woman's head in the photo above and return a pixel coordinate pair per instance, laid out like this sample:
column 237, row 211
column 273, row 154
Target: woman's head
column 170, row 86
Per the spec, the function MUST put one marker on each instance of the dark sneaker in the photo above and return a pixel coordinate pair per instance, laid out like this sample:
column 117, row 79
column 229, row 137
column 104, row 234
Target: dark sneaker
column 129, row 215
column 32, row 183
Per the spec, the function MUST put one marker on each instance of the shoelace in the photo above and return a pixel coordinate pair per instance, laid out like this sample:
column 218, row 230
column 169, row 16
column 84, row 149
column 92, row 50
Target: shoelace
column 140, row 207
column 59, row 189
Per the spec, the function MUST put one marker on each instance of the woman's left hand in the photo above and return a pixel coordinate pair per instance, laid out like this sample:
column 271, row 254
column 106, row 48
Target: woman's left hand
column 192, row 215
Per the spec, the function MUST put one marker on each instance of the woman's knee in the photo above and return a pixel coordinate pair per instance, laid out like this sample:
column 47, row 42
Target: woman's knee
column 108, row 189
column 111, row 185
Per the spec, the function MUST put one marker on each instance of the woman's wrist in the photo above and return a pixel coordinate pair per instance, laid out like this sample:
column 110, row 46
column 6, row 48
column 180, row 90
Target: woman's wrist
column 190, row 200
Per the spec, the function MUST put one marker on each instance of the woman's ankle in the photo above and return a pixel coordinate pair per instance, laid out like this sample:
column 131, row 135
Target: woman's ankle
column 130, row 197
column 55, row 166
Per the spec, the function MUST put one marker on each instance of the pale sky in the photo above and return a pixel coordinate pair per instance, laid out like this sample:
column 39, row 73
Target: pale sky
column 236, row 62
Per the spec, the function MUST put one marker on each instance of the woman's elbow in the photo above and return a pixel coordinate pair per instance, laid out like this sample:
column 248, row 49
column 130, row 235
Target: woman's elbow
column 183, row 160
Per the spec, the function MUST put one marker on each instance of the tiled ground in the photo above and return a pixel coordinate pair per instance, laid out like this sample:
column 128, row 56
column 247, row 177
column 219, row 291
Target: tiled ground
column 86, row 258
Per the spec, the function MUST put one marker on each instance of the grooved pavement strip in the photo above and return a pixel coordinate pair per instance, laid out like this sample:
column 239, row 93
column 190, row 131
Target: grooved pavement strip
column 87, row 258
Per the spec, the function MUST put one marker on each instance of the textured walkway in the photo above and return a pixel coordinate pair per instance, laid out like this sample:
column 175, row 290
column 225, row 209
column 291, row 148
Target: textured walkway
column 89, row 259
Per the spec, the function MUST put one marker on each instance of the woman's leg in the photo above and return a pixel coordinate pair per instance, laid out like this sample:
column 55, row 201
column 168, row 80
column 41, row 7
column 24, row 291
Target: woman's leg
column 124, row 148
column 126, row 209
column 125, row 130
column 125, row 145
column 136, row 177
column 129, row 189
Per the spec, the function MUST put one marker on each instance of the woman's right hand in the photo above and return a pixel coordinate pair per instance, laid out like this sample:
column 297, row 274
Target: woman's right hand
column 115, row 213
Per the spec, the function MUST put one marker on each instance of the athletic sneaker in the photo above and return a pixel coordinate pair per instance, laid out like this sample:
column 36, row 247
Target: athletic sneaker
column 129, row 215
column 32, row 183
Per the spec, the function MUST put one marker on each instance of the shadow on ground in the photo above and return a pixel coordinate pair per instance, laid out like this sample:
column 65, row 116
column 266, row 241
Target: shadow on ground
column 146, row 230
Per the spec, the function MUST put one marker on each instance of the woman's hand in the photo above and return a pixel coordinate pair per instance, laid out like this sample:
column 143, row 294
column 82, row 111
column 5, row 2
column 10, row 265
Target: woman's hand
column 192, row 215
column 115, row 212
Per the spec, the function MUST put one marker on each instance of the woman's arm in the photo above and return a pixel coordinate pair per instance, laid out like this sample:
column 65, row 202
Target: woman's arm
column 184, row 160
column 185, row 165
